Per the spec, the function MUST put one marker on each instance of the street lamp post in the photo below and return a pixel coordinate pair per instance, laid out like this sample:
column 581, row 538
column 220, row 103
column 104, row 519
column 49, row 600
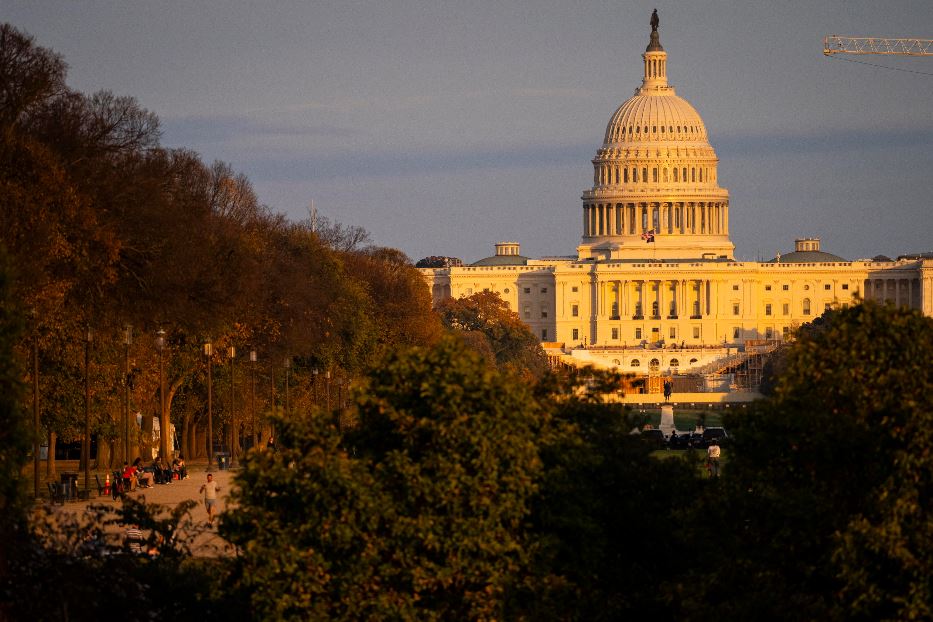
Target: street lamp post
column 163, row 419
column 127, row 340
column 208, row 351
column 87, row 410
column 327, row 387
column 231, row 353
column 35, row 414
column 288, row 365
column 252, row 395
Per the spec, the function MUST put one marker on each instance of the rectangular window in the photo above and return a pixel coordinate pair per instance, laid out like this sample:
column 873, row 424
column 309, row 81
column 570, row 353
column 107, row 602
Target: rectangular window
column 615, row 334
column 735, row 308
column 845, row 286
column 736, row 332
column 543, row 290
column 696, row 332
column 543, row 334
column 767, row 309
column 637, row 333
column 735, row 288
column 574, row 289
column 786, row 308
column 527, row 290
column 827, row 286
column 827, row 306
column 785, row 332
column 769, row 333
column 574, row 310
column 527, row 311
column 575, row 334
column 673, row 332
column 785, row 287
column 644, row 174
column 767, row 288
column 543, row 312
column 654, row 174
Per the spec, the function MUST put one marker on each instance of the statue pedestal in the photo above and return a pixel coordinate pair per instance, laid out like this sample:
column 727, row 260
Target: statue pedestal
column 667, row 419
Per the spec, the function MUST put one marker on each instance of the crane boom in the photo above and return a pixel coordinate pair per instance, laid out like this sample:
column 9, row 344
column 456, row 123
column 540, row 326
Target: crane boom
column 835, row 44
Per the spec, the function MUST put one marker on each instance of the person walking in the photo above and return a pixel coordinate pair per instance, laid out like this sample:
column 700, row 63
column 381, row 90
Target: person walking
column 210, row 488
column 712, row 458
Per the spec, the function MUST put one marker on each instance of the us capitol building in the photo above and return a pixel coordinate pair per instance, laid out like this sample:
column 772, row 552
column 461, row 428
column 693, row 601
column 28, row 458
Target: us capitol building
column 655, row 288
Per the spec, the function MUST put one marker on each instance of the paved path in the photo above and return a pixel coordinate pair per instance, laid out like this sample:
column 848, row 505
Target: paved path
column 204, row 540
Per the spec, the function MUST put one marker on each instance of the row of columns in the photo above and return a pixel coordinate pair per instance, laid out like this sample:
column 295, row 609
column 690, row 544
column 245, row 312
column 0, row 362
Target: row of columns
column 608, row 175
column 902, row 292
column 684, row 218
column 655, row 298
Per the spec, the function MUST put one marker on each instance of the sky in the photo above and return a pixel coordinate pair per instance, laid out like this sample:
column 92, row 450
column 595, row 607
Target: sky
column 444, row 126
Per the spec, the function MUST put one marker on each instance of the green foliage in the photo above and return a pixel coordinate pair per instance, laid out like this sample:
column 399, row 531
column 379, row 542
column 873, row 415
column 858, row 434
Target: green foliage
column 822, row 512
column 416, row 514
column 492, row 329
column 15, row 435
column 72, row 567
column 606, row 520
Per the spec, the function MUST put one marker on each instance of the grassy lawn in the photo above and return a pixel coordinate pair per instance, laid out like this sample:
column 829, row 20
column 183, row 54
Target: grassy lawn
column 685, row 419
column 697, row 454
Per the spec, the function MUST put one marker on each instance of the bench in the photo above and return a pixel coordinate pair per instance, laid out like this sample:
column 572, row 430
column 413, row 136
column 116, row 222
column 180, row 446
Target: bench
column 56, row 493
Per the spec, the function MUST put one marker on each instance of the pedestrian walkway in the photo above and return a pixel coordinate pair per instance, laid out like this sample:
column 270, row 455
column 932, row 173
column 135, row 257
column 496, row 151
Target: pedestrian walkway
column 204, row 540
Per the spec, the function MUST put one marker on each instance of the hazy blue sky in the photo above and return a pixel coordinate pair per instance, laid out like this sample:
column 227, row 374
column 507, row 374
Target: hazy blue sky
column 442, row 127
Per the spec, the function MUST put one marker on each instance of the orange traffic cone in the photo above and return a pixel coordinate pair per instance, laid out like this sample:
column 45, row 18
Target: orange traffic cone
column 107, row 485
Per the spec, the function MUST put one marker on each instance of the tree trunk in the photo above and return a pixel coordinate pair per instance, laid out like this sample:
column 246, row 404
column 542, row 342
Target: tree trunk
column 145, row 441
column 104, row 453
column 50, row 457
column 185, row 425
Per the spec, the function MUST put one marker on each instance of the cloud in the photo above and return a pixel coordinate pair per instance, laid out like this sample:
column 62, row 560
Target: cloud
column 193, row 130
column 763, row 144
column 423, row 162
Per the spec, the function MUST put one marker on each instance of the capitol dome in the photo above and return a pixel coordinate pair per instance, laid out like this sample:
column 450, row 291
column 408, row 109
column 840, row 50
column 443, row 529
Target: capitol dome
column 655, row 178
column 656, row 117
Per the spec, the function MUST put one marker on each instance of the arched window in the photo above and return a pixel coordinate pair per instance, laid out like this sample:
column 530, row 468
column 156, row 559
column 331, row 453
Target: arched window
column 654, row 174
column 675, row 363
column 654, row 365
column 806, row 306
column 635, row 363
column 625, row 174
column 676, row 175
column 615, row 362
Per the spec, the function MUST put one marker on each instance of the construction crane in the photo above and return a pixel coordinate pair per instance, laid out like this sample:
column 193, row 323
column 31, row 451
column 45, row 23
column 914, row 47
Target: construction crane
column 835, row 44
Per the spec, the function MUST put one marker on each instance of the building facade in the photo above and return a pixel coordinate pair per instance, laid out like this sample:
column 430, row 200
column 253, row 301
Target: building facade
column 654, row 286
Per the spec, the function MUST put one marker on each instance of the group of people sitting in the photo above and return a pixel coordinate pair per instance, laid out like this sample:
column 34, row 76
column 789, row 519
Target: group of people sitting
column 136, row 475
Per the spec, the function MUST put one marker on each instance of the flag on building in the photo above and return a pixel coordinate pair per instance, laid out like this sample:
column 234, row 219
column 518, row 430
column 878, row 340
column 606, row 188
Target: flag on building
column 648, row 236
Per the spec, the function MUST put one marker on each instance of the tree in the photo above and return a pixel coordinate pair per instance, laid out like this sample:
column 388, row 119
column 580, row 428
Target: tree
column 15, row 435
column 604, row 532
column 415, row 514
column 487, row 322
column 821, row 512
